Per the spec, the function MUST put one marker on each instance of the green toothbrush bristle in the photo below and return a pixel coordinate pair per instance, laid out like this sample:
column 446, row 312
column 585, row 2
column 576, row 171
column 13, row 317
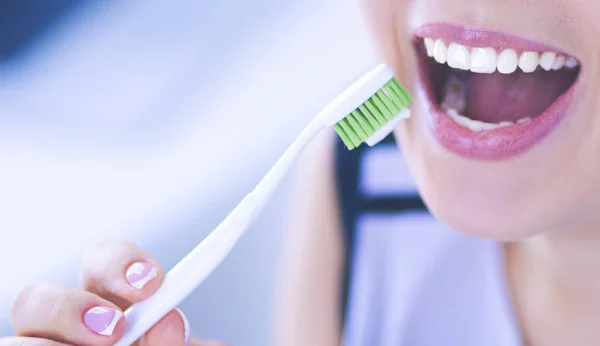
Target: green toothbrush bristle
column 373, row 114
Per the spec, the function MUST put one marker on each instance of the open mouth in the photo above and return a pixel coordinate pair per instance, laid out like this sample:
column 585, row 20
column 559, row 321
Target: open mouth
column 503, row 97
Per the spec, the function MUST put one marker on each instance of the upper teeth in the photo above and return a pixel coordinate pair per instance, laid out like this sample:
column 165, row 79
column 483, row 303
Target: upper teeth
column 486, row 60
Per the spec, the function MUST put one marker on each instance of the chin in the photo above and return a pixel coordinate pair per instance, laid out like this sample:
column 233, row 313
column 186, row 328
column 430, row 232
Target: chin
column 485, row 220
column 502, row 201
column 482, row 207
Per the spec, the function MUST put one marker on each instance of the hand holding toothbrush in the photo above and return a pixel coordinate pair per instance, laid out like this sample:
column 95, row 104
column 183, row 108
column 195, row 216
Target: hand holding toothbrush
column 366, row 112
column 114, row 276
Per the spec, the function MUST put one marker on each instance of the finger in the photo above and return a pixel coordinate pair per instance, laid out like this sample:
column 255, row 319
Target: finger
column 22, row 341
column 121, row 273
column 172, row 330
column 66, row 315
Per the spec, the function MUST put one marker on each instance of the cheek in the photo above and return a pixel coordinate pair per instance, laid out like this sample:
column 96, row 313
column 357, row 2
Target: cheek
column 382, row 17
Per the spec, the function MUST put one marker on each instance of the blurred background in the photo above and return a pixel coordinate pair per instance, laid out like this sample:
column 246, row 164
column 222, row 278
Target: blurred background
column 147, row 121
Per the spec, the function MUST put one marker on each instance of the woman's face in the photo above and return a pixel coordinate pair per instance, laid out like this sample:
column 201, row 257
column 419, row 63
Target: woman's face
column 523, row 156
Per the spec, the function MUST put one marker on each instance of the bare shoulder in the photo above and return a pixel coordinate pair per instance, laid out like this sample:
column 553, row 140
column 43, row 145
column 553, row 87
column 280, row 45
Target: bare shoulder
column 312, row 264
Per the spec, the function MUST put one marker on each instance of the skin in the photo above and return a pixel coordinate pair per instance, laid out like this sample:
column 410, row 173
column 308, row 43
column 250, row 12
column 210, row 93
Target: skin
column 543, row 203
column 51, row 315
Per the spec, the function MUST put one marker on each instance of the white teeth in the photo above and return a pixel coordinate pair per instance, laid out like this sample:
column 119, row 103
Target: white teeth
column 508, row 61
column 454, row 103
column 459, row 57
column 440, row 52
column 483, row 60
column 547, row 60
column 474, row 125
column 559, row 62
column 571, row 62
column 529, row 61
column 429, row 46
column 481, row 126
column 459, row 119
column 486, row 60
column 478, row 126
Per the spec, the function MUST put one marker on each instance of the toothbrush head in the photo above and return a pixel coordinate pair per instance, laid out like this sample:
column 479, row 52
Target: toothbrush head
column 369, row 110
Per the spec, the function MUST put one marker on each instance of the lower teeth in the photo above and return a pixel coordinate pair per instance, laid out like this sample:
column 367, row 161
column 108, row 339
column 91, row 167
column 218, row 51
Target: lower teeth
column 455, row 103
column 475, row 125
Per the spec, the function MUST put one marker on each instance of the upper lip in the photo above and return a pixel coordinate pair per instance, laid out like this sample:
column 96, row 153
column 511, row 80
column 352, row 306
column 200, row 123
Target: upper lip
column 480, row 37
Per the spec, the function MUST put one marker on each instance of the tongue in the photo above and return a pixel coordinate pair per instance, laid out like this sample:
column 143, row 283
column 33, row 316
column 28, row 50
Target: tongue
column 497, row 97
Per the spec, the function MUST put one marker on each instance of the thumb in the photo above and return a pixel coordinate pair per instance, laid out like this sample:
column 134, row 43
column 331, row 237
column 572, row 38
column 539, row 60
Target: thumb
column 172, row 330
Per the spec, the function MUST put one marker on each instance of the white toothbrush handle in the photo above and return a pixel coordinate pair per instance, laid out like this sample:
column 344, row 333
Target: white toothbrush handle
column 191, row 271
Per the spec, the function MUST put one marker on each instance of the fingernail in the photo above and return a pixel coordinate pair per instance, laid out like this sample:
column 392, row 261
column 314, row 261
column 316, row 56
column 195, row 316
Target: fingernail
column 140, row 273
column 102, row 320
column 186, row 327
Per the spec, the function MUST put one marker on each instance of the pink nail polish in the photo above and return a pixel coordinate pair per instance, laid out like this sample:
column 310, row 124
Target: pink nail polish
column 140, row 273
column 186, row 327
column 102, row 320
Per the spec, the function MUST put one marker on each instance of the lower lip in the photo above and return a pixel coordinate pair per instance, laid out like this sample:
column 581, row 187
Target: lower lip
column 492, row 145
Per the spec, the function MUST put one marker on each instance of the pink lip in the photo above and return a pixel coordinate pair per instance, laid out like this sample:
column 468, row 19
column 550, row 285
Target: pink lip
column 478, row 37
column 497, row 144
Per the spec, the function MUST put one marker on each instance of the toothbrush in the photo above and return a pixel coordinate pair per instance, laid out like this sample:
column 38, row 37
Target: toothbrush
column 366, row 112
